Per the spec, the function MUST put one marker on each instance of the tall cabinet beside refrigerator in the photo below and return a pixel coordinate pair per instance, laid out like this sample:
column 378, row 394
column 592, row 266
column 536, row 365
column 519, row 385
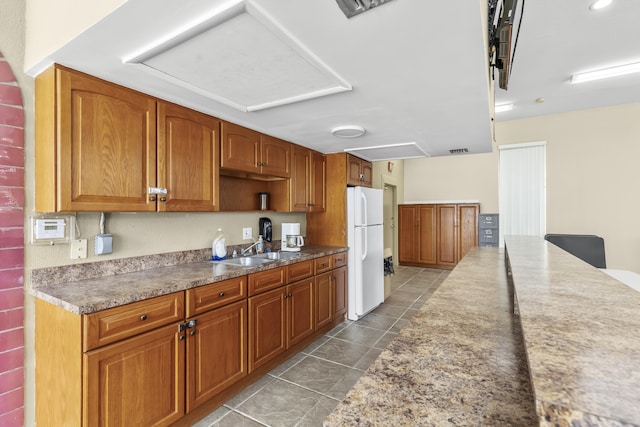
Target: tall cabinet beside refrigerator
column 365, row 240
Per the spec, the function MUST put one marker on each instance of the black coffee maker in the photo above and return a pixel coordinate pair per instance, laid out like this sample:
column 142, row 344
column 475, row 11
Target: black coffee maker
column 265, row 229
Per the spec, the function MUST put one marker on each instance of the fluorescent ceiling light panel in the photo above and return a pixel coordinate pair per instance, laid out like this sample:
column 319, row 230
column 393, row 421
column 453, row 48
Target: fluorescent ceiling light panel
column 241, row 57
column 406, row 150
column 503, row 107
column 606, row 73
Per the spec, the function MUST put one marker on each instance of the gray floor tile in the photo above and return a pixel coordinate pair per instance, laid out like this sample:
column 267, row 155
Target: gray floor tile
column 318, row 413
column 325, row 377
column 341, row 351
column 280, row 404
column 361, row 335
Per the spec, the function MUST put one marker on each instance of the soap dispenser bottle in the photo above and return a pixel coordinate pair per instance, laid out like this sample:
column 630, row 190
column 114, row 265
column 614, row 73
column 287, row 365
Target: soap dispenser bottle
column 219, row 247
column 259, row 245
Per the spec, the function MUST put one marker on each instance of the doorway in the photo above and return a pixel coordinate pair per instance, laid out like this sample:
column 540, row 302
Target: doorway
column 389, row 209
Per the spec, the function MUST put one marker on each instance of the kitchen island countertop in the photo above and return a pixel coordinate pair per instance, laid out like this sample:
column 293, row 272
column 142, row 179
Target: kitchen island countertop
column 91, row 287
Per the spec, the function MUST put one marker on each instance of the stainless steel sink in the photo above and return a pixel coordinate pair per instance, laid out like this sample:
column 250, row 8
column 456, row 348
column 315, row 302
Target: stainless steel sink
column 277, row 255
column 250, row 261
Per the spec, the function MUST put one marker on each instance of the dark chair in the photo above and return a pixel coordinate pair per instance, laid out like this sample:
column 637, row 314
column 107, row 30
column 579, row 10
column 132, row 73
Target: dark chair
column 588, row 248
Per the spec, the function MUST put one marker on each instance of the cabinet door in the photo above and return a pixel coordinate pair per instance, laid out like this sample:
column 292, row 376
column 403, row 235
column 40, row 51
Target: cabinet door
column 267, row 327
column 106, row 146
column 407, row 233
column 300, row 320
column 188, row 144
column 317, row 192
column 324, row 299
column 300, row 176
column 216, row 352
column 135, row 382
column 353, row 170
column 275, row 157
column 340, row 292
column 366, row 169
column 239, row 148
column 427, row 234
column 447, row 236
column 468, row 229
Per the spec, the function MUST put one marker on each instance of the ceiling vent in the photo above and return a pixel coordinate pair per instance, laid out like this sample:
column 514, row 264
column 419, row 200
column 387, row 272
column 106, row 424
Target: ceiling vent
column 355, row 7
column 459, row 150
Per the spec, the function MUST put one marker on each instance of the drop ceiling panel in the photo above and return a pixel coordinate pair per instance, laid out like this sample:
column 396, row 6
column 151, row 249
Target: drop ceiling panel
column 243, row 59
column 408, row 150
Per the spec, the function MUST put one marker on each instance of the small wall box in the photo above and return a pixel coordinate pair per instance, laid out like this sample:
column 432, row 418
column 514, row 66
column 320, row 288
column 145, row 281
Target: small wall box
column 52, row 229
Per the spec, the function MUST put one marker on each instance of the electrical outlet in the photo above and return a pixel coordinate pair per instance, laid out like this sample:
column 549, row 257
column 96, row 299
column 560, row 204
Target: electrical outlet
column 247, row 233
column 78, row 248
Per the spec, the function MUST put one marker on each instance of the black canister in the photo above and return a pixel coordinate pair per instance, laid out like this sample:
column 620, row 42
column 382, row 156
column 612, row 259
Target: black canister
column 263, row 201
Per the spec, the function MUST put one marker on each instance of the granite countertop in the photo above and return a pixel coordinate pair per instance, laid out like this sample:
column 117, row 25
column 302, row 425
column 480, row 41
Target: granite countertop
column 90, row 287
column 459, row 362
column 582, row 335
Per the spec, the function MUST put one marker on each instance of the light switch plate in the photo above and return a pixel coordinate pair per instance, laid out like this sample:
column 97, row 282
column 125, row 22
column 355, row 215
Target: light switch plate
column 247, row 233
column 79, row 249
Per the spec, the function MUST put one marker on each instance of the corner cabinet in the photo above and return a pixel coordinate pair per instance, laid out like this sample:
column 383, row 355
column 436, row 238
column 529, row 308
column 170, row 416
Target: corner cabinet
column 436, row 234
column 103, row 147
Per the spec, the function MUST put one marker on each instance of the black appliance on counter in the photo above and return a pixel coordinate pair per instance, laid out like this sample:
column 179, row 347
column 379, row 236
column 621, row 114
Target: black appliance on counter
column 265, row 229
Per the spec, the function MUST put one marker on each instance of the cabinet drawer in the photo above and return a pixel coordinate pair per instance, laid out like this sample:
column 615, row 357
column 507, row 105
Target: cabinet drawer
column 488, row 220
column 299, row 271
column 205, row 298
column 265, row 280
column 322, row 264
column 118, row 323
column 339, row 260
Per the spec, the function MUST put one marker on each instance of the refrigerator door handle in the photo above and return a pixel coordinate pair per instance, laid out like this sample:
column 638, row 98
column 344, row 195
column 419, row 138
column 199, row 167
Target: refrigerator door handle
column 365, row 243
column 364, row 209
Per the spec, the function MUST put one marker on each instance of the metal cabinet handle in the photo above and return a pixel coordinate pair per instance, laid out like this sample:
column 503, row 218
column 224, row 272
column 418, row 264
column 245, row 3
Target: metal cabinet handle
column 192, row 333
column 221, row 294
column 163, row 199
column 143, row 317
column 152, row 198
column 181, row 337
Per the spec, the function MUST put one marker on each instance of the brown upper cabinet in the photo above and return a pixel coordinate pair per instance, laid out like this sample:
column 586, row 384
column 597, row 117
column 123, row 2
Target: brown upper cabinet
column 307, row 180
column 359, row 171
column 103, row 147
column 249, row 151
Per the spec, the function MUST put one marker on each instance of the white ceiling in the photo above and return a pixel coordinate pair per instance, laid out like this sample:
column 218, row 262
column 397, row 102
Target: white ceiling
column 411, row 72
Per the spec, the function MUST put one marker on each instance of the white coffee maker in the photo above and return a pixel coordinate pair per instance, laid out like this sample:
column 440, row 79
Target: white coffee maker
column 291, row 241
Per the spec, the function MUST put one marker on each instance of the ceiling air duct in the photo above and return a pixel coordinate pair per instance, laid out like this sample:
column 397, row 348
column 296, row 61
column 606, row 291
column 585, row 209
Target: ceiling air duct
column 354, row 7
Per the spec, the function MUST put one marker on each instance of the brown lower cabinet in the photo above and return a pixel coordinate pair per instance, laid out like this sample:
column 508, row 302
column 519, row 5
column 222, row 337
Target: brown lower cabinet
column 436, row 234
column 165, row 360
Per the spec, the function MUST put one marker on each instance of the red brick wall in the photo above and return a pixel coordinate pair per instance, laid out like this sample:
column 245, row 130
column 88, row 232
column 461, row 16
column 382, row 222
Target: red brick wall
column 11, row 249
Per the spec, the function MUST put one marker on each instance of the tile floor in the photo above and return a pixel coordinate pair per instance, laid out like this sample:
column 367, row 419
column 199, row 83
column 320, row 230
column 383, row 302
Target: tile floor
column 303, row 390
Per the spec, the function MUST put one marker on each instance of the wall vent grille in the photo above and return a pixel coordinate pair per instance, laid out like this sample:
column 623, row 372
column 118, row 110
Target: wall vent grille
column 458, row 150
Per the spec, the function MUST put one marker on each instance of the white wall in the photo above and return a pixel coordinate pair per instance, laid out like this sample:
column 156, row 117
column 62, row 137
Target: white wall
column 592, row 175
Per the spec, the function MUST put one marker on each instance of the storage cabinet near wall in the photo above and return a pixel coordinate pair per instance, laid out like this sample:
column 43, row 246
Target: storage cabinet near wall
column 436, row 234
column 103, row 147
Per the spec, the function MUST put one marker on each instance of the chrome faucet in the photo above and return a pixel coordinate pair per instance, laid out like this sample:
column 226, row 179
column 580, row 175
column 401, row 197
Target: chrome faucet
column 245, row 250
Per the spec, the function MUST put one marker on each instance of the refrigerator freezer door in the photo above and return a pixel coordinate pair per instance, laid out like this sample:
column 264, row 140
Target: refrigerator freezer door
column 368, row 206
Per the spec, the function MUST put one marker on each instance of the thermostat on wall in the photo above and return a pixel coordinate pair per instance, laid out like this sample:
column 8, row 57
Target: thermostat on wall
column 52, row 229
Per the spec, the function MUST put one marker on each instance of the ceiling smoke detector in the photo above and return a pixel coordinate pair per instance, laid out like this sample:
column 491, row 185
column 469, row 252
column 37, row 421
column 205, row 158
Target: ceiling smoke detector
column 354, row 7
column 459, row 150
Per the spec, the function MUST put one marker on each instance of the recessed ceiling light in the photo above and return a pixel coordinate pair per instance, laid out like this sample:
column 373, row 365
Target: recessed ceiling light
column 599, row 4
column 606, row 73
column 503, row 107
column 348, row 131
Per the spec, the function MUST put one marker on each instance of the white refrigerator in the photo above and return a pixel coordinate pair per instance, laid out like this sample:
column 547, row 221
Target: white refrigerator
column 365, row 240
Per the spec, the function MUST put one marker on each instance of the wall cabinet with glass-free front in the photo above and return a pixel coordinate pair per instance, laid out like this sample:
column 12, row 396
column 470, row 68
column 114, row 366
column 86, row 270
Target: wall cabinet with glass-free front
column 101, row 147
